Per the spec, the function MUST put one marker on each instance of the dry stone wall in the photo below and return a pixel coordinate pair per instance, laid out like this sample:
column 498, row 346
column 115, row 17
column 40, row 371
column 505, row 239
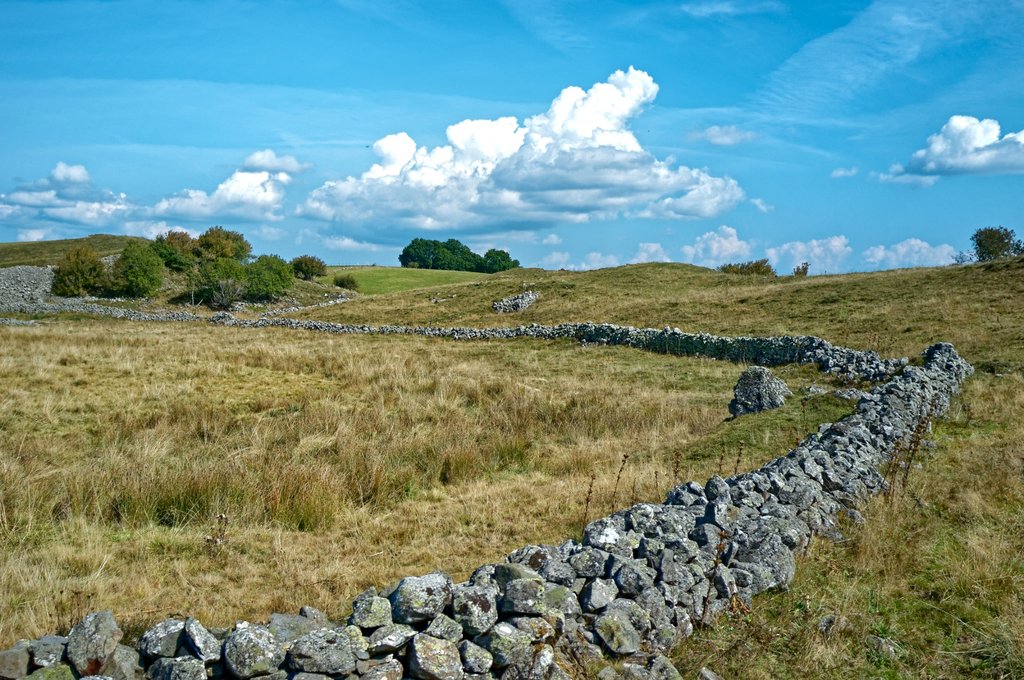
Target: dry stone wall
column 630, row 589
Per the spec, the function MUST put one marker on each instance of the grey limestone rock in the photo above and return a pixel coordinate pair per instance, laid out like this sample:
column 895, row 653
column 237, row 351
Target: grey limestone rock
column 475, row 608
column 506, row 643
column 370, row 611
column 475, row 659
column 201, row 642
column 617, row 633
column 290, row 627
column 389, row 670
column 48, row 650
column 431, row 658
column 357, row 641
column 391, row 638
column 598, row 594
column 446, row 628
column 57, row 671
column 421, row 598
column 92, row 642
column 163, row 639
column 252, row 650
column 14, row 661
column 758, row 390
column 313, row 613
column 180, row 668
column 325, row 651
column 523, row 596
column 124, row 664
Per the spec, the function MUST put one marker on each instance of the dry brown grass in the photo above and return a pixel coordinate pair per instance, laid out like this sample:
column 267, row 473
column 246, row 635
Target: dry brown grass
column 340, row 462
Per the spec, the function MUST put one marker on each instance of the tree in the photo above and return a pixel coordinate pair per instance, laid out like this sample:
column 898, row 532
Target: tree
column 221, row 282
column 994, row 243
column 218, row 242
column 267, row 278
column 80, row 272
column 801, row 269
column 176, row 253
column 453, row 255
column 498, row 261
column 307, row 267
column 138, row 272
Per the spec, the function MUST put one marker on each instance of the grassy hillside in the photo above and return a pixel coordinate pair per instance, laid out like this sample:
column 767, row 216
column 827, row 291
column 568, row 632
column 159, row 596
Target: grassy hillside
column 378, row 280
column 344, row 461
column 40, row 253
column 977, row 307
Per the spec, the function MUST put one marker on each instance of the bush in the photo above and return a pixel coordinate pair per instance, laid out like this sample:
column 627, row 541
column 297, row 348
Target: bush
column 498, row 261
column 754, row 267
column 994, row 243
column 307, row 267
column 801, row 269
column 138, row 272
column 346, row 281
column 267, row 278
column 175, row 250
column 218, row 242
column 80, row 272
column 221, row 282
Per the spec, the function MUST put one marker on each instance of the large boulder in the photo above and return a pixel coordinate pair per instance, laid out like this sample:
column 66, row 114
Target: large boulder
column 252, row 650
column 432, row 658
column 14, row 661
column 323, row 651
column 475, row 607
column 92, row 642
column 758, row 390
column 180, row 668
column 421, row 598
column 163, row 639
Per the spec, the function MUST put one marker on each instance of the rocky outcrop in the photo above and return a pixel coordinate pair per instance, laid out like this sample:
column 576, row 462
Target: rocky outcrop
column 758, row 390
column 515, row 303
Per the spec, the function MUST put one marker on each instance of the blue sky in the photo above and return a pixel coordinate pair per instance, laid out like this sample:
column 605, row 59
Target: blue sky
column 853, row 135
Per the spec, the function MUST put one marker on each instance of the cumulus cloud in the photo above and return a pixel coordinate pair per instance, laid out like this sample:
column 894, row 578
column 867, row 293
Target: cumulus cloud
column 964, row 145
column 346, row 243
column 72, row 174
column 150, row 229
column 725, row 135
column 552, row 240
column 66, row 195
column 252, row 194
column 912, row 252
column 717, row 247
column 840, row 173
column 593, row 260
column 825, row 255
column 267, row 159
column 576, row 162
column 29, row 235
column 762, row 205
column 650, row 252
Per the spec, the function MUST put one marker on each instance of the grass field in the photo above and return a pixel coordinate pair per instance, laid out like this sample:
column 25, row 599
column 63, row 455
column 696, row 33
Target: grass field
column 347, row 461
column 379, row 280
column 40, row 253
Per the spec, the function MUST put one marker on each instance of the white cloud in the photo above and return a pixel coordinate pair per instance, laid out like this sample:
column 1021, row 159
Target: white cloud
column 762, row 205
column 256, row 195
column 70, row 174
column 718, row 247
column 267, row 159
column 839, row 173
column 912, row 252
column 650, row 252
column 725, row 135
column 574, row 163
column 594, row 260
column 346, row 243
column 825, row 255
column 8, row 211
column 964, row 145
column 552, row 240
column 150, row 229
column 730, row 8
column 898, row 175
column 26, row 235
column 268, row 233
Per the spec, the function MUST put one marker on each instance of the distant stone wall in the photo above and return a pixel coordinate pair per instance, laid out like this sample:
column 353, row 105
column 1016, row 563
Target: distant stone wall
column 629, row 590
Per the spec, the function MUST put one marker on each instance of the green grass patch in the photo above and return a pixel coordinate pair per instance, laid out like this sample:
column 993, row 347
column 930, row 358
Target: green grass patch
column 40, row 253
column 379, row 280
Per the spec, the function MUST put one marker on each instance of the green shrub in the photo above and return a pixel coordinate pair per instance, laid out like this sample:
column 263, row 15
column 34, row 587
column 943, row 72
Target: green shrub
column 801, row 269
column 754, row 267
column 138, row 272
column 267, row 278
column 346, row 281
column 175, row 252
column 218, row 242
column 81, row 272
column 221, row 282
column 994, row 243
column 307, row 267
